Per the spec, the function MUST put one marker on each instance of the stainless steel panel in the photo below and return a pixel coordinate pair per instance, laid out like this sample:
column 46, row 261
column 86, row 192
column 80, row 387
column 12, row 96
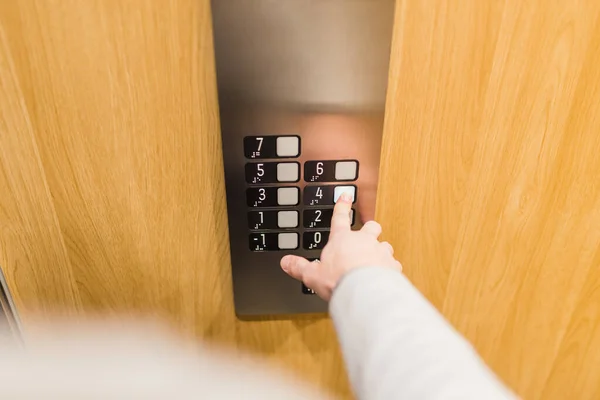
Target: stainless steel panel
column 314, row 68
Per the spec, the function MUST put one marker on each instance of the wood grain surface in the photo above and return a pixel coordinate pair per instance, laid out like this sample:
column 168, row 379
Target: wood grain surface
column 113, row 195
column 490, row 185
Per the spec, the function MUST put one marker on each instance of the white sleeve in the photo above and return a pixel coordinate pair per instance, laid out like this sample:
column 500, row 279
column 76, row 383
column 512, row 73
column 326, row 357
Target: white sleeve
column 397, row 346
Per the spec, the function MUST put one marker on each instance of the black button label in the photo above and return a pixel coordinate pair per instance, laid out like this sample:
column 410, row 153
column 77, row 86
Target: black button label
column 307, row 290
column 263, row 242
column 273, row 241
column 261, row 197
column 262, row 220
column 318, row 195
column 331, row 171
column 315, row 240
column 319, row 171
column 261, row 172
column 321, row 218
column 272, row 172
column 256, row 147
column 260, row 146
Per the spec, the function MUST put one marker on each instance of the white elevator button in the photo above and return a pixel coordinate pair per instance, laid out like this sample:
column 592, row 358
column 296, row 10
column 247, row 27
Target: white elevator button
column 288, row 146
column 346, row 170
column 338, row 190
column 287, row 219
column 288, row 196
column 288, row 172
column 287, row 241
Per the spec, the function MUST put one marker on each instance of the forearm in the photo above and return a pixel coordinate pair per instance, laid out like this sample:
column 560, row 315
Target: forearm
column 396, row 344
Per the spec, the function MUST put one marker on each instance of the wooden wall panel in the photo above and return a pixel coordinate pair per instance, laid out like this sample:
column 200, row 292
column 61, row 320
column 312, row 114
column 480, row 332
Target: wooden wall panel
column 491, row 180
column 113, row 194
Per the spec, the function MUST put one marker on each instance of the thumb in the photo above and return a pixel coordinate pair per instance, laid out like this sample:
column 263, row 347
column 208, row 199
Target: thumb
column 296, row 267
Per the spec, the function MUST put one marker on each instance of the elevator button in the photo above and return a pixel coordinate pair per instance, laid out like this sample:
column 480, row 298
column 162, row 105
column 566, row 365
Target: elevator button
column 288, row 146
column 287, row 219
column 262, row 197
column 317, row 218
column 260, row 147
column 263, row 220
column 321, row 218
column 264, row 242
column 256, row 147
column 272, row 172
column 318, row 195
column 346, row 170
column 330, row 171
column 307, row 290
column 315, row 240
column 288, row 196
column 287, row 241
column 261, row 173
column 319, row 171
column 344, row 189
column 288, row 172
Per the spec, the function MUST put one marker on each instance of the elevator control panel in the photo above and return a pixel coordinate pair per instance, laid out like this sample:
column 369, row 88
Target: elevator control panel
column 276, row 211
column 301, row 111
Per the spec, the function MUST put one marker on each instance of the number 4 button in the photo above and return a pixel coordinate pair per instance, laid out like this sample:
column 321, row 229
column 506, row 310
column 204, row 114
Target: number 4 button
column 326, row 195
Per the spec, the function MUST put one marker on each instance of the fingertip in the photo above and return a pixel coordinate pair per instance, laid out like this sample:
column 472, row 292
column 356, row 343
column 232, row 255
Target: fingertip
column 294, row 266
column 286, row 263
column 345, row 198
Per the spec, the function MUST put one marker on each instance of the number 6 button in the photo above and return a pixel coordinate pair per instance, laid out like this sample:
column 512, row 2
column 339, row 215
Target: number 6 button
column 330, row 171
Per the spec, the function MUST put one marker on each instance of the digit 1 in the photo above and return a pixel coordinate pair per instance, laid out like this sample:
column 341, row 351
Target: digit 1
column 261, row 216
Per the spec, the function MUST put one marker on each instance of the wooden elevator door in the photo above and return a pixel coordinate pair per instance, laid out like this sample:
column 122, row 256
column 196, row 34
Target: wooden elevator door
column 490, row 185
column 113, row 198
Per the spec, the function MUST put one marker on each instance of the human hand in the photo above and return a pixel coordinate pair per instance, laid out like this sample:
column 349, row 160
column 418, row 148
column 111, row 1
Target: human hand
column 345, row 251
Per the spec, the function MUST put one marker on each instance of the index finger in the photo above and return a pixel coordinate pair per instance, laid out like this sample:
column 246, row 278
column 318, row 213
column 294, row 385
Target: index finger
column 341, row 218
